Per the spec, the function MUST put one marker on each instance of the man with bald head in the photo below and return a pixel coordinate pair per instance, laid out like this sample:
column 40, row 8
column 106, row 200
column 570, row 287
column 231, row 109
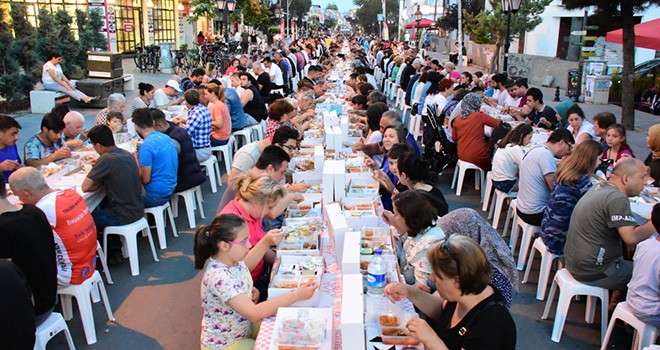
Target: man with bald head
column 602, row 223
column 71, row 222
column 73, row 133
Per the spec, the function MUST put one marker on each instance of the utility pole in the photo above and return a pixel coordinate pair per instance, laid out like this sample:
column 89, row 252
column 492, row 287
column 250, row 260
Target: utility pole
column 384, row 19
column 460, row 36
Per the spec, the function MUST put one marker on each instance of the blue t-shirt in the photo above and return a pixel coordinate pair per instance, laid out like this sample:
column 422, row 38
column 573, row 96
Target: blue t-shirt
column 236, row 113
column 11, row 153
column 158, row 152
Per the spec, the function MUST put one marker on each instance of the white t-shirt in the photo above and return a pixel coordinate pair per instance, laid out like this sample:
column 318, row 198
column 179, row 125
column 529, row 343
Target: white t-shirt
column 644, row 286
column 513, row 101
column 161, row 98
column 276, row 73
column 46, row 78
column 533, row 191
column 246, row 157
column 585, row 127
column 502, row 98
column 376, row 137
column 506, row 162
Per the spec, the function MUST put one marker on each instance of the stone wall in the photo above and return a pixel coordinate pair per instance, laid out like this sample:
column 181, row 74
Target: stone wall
column 536, row 68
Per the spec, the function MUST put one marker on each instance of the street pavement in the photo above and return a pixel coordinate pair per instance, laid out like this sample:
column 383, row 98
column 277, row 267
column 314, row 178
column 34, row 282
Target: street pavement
column 161, row 308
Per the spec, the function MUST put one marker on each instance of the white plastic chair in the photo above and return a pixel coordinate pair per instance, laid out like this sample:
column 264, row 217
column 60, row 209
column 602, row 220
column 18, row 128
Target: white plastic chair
column 85, row 293
column 645, row 334
column 189, row 200
column 459, row 172
column 497, row 204
column 213, row 172
column 227, row 153
column 570, row 287
column 528, row 232
column 104, row 262
column 159, row 214
column 50, row 328
column 128, row 234
column 544, row 269
column 244, row 134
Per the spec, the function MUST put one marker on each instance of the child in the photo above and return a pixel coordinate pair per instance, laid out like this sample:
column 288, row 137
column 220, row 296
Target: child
column 616, row 142
column 115, row 122
column 228, row 296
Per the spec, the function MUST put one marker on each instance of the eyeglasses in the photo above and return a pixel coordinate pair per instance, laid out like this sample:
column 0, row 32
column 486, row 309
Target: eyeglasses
column 291, row 148
column 446, row 246
column 245, row 243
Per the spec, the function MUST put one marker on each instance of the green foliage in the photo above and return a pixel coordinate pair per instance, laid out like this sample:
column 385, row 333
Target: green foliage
column 299, row 8
column 46, row 35
column 274, row 29
column 96, row 19
column 330, row 23
column 67, row 45
column 450, row 19
column 202, row 8
column 367, row 11
column 332, row 7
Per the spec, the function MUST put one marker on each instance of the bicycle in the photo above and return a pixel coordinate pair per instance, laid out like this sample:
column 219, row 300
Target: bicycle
column 180, row 64
column 147, row 58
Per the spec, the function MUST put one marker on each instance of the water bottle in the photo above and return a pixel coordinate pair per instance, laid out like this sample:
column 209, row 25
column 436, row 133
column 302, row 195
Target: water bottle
column 377, row 272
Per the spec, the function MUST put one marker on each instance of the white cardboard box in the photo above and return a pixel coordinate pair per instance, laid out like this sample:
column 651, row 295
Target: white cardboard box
column 276, row 292
column 350, row 262
column 328, row 182
column 337, row 227
column 339, row 171
column 352, row 312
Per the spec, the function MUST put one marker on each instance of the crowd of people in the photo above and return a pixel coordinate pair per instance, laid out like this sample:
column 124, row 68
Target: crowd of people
column 458, row 272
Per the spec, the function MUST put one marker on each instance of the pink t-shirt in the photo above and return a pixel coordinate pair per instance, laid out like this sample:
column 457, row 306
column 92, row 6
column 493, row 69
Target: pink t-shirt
column 219, row 111
column 255, row 228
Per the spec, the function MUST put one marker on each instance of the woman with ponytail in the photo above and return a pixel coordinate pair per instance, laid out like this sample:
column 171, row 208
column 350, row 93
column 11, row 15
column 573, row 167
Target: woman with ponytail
column 256, row 195
column 229, row 300
column 416, row 174
column 145, row 100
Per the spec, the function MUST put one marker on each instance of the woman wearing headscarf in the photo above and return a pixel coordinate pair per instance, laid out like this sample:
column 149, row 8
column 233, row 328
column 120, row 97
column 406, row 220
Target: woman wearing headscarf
column 468, row 132
column 653, row 159
column 467, row 222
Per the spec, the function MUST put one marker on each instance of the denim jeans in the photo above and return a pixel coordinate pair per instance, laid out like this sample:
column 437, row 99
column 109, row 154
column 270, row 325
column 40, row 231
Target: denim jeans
column 102, row 219
column 151, row 201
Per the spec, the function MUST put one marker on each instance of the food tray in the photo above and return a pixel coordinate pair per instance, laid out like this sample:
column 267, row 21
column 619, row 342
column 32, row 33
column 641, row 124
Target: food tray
column 303, row 328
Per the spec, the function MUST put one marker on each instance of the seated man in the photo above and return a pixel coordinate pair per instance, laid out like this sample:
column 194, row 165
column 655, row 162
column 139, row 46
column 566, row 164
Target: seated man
column 71, row 222
column 198, row 125
column 157, row 159
column 252, row 101
column 116, row 172
column 10, row 160
column 246, row 157
column 274, row 72
column 541, row 115
column 47, row 146
column 33, row 253
column 537, row 175
column 189, row 173
column 273, row 161
column 602, row 224
column 167, row 96
column 239, row 119
column 74, row 135
column 195, row 78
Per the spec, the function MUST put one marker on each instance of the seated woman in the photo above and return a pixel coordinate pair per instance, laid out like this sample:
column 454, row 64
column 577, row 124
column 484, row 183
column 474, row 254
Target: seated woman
column 220, row 119
column 256, row 195
column 581, row 129
column 572, row 181
column 54, row 79
column 653, row 159
column 414, row 218
column 393, row 134
column 468, row 312
column 146, row 98
column 468, row 132
column 374, row 113
column 230, row 302
column 508, row 157
column 416, row 174
column 281, row 112
column 467, row 222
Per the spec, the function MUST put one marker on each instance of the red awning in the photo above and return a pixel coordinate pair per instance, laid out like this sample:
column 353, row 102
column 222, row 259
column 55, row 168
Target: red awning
column 647, row 35
column 424, row 23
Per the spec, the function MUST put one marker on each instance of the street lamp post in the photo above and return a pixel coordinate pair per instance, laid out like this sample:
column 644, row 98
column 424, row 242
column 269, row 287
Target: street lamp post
column 509, row 7
column 226, row 7
column 418, row 18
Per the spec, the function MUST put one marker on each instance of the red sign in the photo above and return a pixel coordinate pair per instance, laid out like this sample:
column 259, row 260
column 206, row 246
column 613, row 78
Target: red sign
column 128, row 27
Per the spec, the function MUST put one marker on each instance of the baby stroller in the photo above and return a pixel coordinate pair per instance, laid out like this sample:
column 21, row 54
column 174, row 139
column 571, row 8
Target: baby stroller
column 437, row 148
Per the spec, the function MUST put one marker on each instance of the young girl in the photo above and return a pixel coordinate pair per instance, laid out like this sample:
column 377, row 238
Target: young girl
column 228, row 297
column 508, row 157
column 616, row 142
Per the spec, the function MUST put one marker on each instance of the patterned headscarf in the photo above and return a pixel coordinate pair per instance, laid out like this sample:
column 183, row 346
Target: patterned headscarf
column 467, row 222
column 470, row 104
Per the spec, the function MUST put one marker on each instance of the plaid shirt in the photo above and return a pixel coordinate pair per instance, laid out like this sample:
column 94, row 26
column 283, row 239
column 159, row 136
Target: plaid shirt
column 199, row 126
column 271, row 127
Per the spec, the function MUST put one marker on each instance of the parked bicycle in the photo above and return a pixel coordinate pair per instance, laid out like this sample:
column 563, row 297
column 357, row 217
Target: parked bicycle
column 148, row 58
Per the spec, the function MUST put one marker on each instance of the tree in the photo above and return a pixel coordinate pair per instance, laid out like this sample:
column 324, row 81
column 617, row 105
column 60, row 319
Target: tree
column 332, row 7
column 202, row 8
column 449, row 20
column 46, row 35
column 67, row 45
column 490, row 27
column 25, row 39
column 621, row 12
column 96, row 22
column 367, row 11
